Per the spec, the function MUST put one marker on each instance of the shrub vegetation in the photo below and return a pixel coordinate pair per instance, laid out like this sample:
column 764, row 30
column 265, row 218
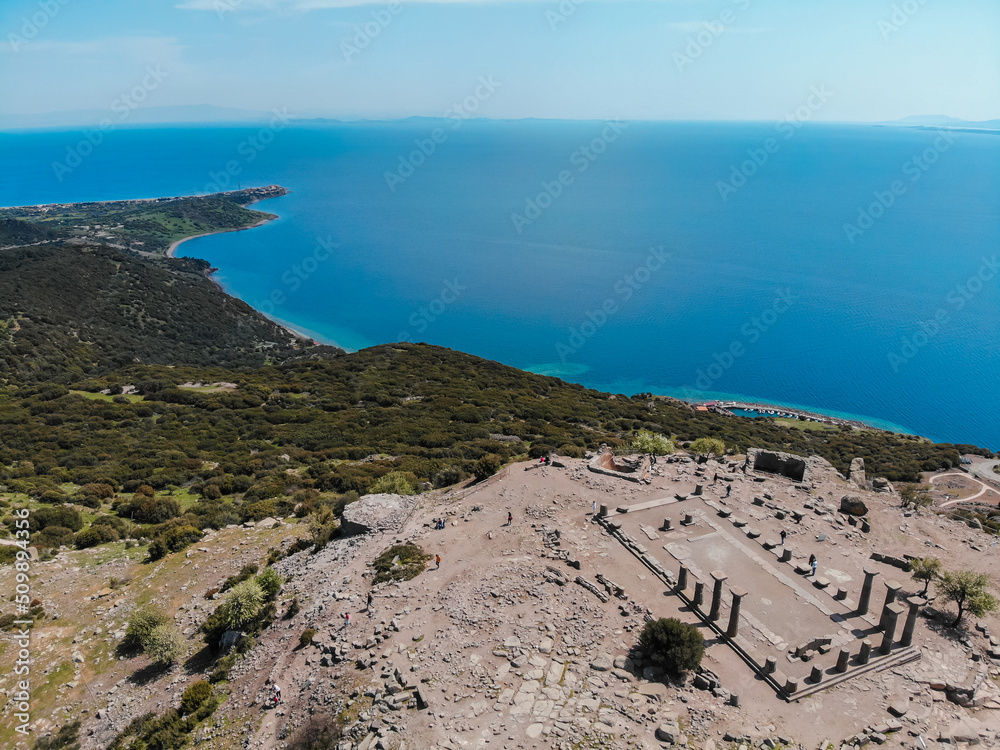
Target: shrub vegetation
column 672, row 644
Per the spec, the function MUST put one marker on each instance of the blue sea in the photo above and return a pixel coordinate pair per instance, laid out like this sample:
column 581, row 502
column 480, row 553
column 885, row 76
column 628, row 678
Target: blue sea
column 845, row 269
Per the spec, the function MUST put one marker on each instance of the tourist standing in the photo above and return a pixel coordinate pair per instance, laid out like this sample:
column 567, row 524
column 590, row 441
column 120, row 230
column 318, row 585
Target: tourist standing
column 783, row 535
column 437, row 559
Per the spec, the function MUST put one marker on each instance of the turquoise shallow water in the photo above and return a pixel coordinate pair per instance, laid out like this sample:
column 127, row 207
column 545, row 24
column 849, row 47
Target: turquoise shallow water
column 844, row 269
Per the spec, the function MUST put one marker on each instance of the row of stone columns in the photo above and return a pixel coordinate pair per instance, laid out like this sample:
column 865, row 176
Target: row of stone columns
column 715, row 610
column 890, row 611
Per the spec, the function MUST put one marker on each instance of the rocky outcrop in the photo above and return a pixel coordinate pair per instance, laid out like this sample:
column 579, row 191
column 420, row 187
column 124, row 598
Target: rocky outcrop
column 853, row 505
column 375, row 513
column 857, row 473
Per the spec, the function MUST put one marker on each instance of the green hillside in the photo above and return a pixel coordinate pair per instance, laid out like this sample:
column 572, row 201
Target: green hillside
column 134, row 391
column 71, row 311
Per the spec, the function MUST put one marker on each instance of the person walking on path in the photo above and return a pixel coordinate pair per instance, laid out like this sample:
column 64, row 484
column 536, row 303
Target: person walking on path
column 815, row 563
column 729, row 490
column 783, row 535
column 437, row 559
column 510, row 518
column 371, row 598
column 276, row 694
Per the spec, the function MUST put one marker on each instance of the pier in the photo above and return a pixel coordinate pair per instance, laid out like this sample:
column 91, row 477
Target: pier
column 772, row 410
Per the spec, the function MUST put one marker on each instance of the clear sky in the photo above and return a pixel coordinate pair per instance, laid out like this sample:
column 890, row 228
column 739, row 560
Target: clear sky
column 658, row 59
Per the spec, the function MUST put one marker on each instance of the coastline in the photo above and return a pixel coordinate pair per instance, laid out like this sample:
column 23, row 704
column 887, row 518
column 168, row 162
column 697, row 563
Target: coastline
column 813, row 414
column 172, row 250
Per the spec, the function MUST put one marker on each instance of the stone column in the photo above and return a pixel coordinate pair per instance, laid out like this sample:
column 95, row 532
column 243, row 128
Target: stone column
column 699, row 593
column 604, row 511
column 667, row 524
column 891, row 591
column 770, row 665
column 816, row 675
column 682, row 578
column 734, row 613
column 866, row 652
column 698, row 490
column 915, row 603
column 786, row 555
column 719, row 577
column 893, row 611
column 866, row 591
column 842, row 660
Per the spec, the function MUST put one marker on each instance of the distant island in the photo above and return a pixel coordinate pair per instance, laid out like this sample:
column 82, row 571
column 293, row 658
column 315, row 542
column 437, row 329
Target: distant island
column 151, row 227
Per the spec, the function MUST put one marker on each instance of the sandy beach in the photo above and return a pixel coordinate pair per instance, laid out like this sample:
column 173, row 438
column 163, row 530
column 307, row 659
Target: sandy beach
column 172, row 250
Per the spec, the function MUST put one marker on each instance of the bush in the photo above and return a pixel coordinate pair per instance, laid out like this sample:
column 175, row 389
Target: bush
column 164, row 644
column 243, row 604
column 100, row 491
column 54, row 536
column 65, row 739
column 650, row 442
column 672, row 644
column 449, row 476
column 323, row 526
column 393, row 483
column 174, row 539
column 709, row 447
column 293, row 608
column 307, row 636
column 60, row 516
column 258, row 511
column 120, row 525
column 487, row 466
column 247, row 571
column 88, row 538
column 144, row 509
column 401, row 562
column 270, row 583
column 141, row 624
column 195, row 696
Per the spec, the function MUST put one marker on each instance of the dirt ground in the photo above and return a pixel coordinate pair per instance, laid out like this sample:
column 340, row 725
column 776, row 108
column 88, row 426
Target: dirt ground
column 500, row 647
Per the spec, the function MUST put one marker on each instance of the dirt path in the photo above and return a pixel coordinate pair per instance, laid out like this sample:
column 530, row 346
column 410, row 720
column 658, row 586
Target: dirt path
column 985, row 488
